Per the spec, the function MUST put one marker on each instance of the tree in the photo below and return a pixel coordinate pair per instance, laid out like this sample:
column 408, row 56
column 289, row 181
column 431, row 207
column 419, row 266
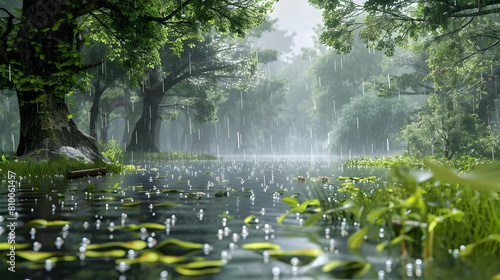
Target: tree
column 193, row 82
column 367, row 122
column 461, row 39
column 445, row 128
column 39, row 54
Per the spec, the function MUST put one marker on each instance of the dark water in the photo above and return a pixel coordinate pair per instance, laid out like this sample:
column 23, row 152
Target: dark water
column 223, row 195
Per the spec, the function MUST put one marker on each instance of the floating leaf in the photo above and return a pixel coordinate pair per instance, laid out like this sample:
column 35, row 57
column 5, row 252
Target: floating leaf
column 305, row 256
column 167, row 204
column 203, row 264
column 135, row 245
column 347, row 270
column 43, row 222
column 252, row 219
column 226, row 215
column 148, row 257
column 131, row 204
column 6, row 246
column 197, row 272
column 171, row 191
column 143, row 225
column 90, row 188
column 105, row 254
column 261, row 246
column 38, row 256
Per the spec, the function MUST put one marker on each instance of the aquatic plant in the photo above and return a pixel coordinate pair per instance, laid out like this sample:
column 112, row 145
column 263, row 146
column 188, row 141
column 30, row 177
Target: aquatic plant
column 421, row 211
column 112, row 150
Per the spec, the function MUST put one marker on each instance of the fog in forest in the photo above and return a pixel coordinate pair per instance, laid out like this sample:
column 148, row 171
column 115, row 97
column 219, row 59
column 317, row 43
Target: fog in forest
column 293, row 96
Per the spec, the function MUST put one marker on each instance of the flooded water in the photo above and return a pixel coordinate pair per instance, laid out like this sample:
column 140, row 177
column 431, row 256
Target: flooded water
column 201, row 202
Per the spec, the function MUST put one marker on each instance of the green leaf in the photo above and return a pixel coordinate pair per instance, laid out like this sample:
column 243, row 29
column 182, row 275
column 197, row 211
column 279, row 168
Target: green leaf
column 167, row 204
column 43, row 222
column 105, row 254
column 292, row 201
column 470, row 247
column 376, row 214
column 131, row 204
column 357, row 238
column 261, row 246
column 134, row 244
column 305, row 256
column 347, row 270
column 252, row 219
column 484, row 177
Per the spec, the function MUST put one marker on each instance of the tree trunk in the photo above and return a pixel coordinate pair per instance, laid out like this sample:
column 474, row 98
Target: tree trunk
column 94, row 110
column 143, row 136
column 47, row 130
column 46, row 59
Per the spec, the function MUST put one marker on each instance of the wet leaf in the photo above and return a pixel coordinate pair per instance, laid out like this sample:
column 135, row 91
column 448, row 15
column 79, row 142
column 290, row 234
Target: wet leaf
column 470, row 247
column 43, row 222
column 38, row 256
column 347, row 270
column 292, row 201
column 171, row 191
column 357, row 238
column 252, row 219
column 6, row 246
column 131, row 204
column 261, row 246
column 305, row 256
column 376, row 214
column 148, row 257
column 167, row 204
column 484, row 177
column 144, row 225
column 197, row 272
column 105, row 254
column 135, row 245
column 176, row 247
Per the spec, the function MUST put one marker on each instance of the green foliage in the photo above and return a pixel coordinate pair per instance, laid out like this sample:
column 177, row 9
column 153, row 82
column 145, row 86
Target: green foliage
column 369, row 120
column 423, row 211
column 446, row 129
column 112, row 150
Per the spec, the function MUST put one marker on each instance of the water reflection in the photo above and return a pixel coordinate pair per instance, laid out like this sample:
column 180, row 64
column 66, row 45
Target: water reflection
column 205, row 203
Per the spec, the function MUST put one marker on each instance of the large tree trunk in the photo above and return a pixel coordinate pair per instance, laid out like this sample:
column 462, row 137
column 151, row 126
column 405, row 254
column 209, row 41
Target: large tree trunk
column 48, row 60
column 46, row 130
